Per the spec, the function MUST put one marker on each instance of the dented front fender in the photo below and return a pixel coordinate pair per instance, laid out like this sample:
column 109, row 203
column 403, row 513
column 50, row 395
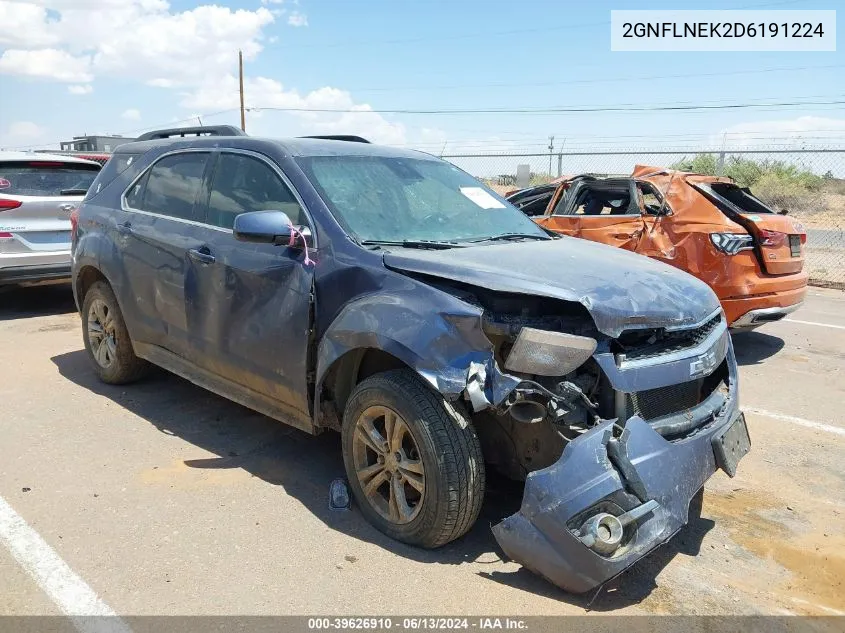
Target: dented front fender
column 443, row 345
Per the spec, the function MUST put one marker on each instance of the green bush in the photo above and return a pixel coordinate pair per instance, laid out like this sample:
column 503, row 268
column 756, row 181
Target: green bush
column 748, row 172
column 779, row 184
column 782, row 193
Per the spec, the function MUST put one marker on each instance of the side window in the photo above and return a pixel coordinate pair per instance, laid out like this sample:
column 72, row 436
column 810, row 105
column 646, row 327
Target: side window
column 135, row 195
column 650, row 200
column 594, row 201
column 173, row 184
column 243, row 183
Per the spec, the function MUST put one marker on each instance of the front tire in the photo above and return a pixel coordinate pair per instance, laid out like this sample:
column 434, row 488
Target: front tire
column 107, row 339
column 413, row 460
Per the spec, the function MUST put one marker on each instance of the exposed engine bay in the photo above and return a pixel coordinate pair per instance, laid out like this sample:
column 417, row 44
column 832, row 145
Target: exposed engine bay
column 563, row 391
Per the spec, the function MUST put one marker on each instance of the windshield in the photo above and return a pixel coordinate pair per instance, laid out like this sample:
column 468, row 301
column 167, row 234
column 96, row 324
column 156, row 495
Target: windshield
column 380, row 198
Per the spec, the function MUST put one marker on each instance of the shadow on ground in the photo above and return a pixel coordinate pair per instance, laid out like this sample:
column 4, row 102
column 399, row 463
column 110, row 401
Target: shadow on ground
column 304, row 466
column 752, row 348
column 18, row 302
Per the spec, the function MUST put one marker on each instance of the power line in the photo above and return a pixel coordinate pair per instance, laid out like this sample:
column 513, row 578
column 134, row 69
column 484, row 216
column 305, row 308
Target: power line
column 595, row 81
column 557, row 110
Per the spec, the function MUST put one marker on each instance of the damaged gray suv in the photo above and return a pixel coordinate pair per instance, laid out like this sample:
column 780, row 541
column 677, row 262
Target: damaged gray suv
column 387, row 295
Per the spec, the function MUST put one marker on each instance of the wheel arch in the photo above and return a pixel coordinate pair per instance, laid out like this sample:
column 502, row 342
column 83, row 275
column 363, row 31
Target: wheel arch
column 338, row 377
column 87, row 276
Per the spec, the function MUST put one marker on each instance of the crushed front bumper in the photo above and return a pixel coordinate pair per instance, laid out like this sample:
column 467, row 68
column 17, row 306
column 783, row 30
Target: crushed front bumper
column 597, row 472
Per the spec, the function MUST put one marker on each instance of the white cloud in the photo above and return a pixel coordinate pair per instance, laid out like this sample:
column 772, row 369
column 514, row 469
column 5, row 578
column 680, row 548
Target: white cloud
column 22, row 133
column 48, row 63
column 84, row 89
column 266, row 93
column 297, row 19
column 141, row 38
column 192, row 51
column 24, row 25
column 805, row 131
column 131, row 114
column 26, row 129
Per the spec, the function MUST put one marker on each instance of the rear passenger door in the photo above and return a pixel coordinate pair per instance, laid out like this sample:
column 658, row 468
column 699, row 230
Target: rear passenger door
column 248, row 305
column 600, row 211
column 158, row 234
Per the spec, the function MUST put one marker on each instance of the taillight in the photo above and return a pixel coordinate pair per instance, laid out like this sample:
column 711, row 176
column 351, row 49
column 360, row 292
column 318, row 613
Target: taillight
column 772, row 238
column 5, row 236
column 732, row 243
column 74, row 223
column 803, row 238
column 6, row 204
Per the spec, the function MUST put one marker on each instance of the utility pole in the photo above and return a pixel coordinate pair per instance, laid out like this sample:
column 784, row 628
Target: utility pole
column 720, row 164
column 551, row 150
column 241, row 82
column 560, row 158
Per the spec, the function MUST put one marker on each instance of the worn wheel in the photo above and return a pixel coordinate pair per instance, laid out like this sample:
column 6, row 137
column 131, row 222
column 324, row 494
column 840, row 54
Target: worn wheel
column 106, row 338
column 413, row 460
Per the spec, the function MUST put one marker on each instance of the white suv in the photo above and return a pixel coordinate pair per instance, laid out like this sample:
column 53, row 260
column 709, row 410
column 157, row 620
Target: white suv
column 38, row 193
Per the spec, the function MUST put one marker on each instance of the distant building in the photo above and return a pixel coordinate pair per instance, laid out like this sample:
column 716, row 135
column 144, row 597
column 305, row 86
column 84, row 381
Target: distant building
column 94, row 143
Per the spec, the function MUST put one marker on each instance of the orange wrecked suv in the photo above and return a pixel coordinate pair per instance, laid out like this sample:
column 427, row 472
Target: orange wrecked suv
column 751, row 255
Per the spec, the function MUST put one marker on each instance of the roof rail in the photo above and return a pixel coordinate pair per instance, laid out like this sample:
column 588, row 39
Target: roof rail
column 205, row 130
column 340, row 137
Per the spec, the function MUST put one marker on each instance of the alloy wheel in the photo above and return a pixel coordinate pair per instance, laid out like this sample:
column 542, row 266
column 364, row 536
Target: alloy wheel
column 101, row 333
column 388, row 465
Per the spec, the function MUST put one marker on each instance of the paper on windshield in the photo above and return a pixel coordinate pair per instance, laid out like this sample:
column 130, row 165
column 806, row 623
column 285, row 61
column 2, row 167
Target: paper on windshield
column 481, row 198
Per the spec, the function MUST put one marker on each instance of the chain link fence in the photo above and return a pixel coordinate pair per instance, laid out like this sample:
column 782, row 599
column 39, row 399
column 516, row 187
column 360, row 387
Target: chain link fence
column 810, row 184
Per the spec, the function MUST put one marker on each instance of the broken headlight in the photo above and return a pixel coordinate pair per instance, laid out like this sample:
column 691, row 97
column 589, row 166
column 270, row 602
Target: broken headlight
column 547, row 353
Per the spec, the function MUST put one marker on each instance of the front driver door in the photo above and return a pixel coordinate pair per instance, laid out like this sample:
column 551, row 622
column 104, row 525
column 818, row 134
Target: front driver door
column 603, row 211
column 248, row 305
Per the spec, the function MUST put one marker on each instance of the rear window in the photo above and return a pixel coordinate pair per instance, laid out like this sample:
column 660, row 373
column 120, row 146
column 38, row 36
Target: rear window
column 742, row 199
column 116, row 165
column 46, row 178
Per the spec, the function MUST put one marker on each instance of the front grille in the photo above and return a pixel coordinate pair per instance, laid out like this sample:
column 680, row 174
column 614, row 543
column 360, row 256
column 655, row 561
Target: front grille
column 656, row 403
column 667, row 342
column 652, row 404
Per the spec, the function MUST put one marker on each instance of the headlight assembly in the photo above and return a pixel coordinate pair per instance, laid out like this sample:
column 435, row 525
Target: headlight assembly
column 548, row 353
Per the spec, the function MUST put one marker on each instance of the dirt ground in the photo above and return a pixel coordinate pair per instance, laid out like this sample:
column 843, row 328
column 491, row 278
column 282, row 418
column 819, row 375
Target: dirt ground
column 166, row 499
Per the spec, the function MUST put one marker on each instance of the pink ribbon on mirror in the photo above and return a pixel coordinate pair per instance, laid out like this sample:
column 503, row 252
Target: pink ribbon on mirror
column 294, row 233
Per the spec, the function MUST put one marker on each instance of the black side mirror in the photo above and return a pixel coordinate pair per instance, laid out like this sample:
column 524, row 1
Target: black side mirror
column 783, row 211
column 263, row 227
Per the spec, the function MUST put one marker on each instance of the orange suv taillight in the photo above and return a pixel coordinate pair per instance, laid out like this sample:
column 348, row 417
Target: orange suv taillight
column 732, row 243
column 772, row 238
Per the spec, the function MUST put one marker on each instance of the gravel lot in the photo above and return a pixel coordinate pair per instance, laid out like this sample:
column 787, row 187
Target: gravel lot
column 165, row 499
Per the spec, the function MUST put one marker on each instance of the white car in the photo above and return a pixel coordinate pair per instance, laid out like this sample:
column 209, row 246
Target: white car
column 38, row 193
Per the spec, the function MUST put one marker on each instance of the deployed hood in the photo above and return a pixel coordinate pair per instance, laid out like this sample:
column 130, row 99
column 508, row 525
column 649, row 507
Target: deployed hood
column 619, row 289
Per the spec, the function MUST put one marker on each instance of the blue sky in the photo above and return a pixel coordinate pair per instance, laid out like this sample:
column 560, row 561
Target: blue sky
column 122, row 66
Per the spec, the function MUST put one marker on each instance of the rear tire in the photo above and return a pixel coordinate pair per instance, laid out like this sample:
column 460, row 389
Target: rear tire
column 107, row 339
column 432, row 443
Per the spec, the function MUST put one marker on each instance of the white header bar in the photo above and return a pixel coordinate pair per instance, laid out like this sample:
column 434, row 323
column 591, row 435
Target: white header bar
column 681, row 30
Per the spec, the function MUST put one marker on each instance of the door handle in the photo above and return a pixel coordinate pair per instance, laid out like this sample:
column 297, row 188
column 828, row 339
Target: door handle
column 202, row 255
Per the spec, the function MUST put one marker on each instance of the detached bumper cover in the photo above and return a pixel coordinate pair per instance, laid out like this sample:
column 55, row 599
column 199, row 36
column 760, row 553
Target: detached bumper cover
column 542, row 535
